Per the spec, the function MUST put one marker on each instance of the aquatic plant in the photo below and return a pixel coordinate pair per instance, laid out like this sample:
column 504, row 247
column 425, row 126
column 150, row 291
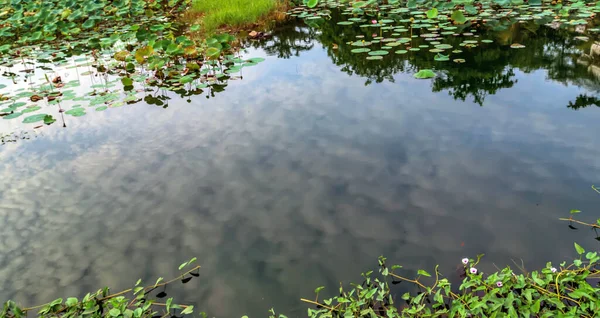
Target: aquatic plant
column 138, row 301
column 402, row 22
column 123, row 47
column 571, row 290
column 548, row 292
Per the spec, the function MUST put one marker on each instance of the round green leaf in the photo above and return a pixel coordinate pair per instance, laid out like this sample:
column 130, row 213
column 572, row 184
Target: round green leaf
column 423, row 74
column 13, row 115
column 361, row 50
column 34, row 118
column 380, row 52
column 31, row 109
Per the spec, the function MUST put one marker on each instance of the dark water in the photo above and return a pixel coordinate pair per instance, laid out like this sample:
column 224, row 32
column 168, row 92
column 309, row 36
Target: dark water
column 306, row 170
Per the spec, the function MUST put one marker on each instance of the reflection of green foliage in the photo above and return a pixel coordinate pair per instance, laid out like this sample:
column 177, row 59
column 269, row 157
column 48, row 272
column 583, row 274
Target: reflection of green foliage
column 584, row 101
column 133, row 302
column 289, row 40
column 488, row 67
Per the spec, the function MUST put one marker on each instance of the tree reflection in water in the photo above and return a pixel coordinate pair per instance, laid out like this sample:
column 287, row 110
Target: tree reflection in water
column 488, row 68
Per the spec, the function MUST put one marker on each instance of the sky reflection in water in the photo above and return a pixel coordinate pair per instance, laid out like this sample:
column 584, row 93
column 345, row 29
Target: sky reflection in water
column 297, row 176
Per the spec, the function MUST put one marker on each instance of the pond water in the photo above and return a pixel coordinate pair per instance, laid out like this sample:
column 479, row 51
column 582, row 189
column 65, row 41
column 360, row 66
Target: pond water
column 307, row 168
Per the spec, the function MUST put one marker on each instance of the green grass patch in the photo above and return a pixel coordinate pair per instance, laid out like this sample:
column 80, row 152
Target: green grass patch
column 232, row 13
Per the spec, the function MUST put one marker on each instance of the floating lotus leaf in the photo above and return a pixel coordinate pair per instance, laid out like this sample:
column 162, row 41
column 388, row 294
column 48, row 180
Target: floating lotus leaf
column 443, row 46
column 13, row 115
column 424, row 74
column 361, row 43
column 517, row 46
column 458, row 60
column 361, row 50
column 379, row 52
column 441, row 57
column 76, row 112
column 256, row 60
column 233, row 69
column 101, row 108
column 34, row 118
column 31, row 109
column 401, row 52
column 375, row 57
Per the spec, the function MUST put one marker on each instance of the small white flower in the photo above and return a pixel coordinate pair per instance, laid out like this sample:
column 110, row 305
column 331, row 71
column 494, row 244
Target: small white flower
column 473, row 270
column 553, row 269
column 465, row 261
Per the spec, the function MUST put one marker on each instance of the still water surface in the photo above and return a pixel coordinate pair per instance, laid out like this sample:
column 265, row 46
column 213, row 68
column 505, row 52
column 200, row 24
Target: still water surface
column 303, row 172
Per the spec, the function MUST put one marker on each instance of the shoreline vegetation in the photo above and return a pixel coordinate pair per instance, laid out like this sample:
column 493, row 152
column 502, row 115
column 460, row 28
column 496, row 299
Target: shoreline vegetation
column 563, row 290
column 233, row 16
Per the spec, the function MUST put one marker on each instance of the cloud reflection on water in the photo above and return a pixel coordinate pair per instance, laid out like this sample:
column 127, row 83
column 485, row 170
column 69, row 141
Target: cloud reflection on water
column 295, row 177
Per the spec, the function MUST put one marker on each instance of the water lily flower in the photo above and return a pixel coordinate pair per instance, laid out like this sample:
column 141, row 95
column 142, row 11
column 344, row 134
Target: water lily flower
column 553, row 269
column 465, row 261
column 374, row 21
column 473, row 270
column 499, row 284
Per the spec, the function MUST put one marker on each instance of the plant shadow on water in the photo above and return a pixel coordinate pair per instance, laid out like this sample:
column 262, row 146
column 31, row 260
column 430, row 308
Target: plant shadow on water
column 302, row 178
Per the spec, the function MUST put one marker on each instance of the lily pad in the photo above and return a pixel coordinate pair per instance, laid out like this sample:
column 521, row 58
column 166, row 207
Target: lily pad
column 443, row 46
column 13, row 115
column 441, row 57
column 361, row 50
column 34, row 118
column 380, row 52
column 255, row 60
column 31, row 109
column 76, row 112
column 424, row 74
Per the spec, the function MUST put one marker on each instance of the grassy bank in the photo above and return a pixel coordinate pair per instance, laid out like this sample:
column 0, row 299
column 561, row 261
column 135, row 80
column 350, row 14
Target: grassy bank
column 215, row 14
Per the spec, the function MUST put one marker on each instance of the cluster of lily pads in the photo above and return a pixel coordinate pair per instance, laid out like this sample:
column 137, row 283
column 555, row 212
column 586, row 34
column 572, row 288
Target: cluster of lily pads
column 402, row 27
column 113, row 52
